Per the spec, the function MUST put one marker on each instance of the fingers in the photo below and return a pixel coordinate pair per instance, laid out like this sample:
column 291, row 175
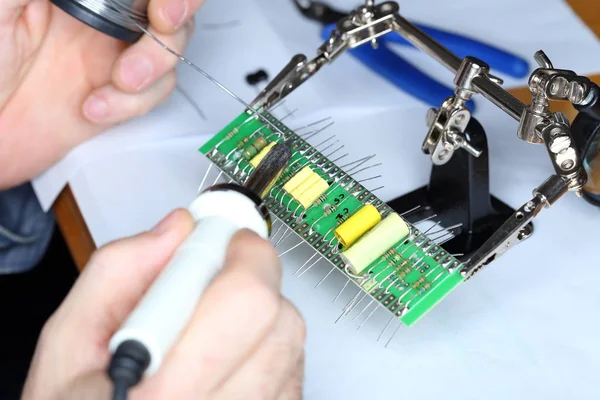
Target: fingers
column 10, row 10
column 142, row 64
column 169, row 15
column 117, row 276
column 276, row 365
column 92, row 386
column 108, row 105
column 292, row 390
column 232, row 319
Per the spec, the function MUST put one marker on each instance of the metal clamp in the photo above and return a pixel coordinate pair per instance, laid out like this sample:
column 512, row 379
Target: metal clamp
column 294, row 74
column 516, row 229
column 560, row 145
column 539, row 125
column 364, row 24
column 545, row 84
column 447, row 125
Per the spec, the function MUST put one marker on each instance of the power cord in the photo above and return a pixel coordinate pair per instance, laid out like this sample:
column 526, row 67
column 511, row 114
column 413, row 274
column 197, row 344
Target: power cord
column 127, row 366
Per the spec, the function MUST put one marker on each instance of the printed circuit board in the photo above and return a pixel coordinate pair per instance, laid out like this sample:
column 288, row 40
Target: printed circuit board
column 387, row 257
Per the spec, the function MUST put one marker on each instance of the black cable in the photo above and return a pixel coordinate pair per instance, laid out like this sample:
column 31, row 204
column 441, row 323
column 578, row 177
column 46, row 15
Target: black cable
column 127, row 366
column 120, row 391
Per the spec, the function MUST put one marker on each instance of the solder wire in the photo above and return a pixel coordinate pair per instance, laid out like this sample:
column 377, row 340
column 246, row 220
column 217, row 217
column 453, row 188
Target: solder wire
column 116, row 12
column 120, row 9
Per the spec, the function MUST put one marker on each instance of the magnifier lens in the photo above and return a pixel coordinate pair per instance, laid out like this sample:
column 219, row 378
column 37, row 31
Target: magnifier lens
column 592, row 165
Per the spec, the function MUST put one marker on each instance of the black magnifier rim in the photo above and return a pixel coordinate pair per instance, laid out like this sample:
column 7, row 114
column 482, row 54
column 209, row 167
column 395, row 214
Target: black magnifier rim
column 586, row 131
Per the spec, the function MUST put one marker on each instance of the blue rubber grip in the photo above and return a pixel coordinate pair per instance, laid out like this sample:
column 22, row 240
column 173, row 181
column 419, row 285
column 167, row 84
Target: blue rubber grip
column 498, row 59
column 404, row 75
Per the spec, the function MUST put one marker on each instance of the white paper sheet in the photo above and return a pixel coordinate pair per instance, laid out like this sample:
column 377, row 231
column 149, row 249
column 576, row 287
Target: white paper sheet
column 266, row 33
column 524, row 328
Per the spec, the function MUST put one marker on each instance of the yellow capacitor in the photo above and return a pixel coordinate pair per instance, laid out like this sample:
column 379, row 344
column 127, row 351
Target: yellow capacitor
column 375, row 243
column 308, row 182
column 297, row 179
column 259, row 157
column 357, row 225
column 312, row 193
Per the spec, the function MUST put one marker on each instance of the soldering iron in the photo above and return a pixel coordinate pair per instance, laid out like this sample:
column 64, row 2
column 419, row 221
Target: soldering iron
column 141, row 344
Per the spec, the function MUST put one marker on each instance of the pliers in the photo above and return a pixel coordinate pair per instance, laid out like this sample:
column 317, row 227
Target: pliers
column 389, row 65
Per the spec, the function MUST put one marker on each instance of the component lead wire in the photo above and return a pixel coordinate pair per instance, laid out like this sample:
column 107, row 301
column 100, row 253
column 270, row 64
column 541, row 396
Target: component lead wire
column 393, row 335
column 385, row 328
column 204, row 179
column 305, row 263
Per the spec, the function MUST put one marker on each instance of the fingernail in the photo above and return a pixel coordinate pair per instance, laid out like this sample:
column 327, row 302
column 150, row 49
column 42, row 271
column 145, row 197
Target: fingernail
column 95, row 108
column 164, row 225
column 174, row 12
column 245, row 233
column 242, row 236
column 136, row 71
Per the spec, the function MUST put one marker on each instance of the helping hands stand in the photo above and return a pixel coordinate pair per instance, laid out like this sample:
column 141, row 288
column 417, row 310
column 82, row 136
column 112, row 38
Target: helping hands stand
column 458, row 193
column 462, row 187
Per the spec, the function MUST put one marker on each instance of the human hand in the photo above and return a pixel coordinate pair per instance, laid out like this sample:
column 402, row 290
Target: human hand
column 244, row 341
column 62, row 82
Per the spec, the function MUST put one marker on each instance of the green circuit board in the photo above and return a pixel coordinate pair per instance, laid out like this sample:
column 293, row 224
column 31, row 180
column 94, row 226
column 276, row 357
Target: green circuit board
column 409, row 279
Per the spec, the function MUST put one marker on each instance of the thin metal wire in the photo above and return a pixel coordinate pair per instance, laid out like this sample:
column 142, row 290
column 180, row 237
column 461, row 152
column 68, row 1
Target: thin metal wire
column 202, row 72
column 385, row 328
column 192, row 102
column 292, row 248
column 305, row 263
column 205, row 176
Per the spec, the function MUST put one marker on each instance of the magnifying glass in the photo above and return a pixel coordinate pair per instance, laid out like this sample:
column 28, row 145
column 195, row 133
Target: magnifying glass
column 591, row 163
column 586, row 133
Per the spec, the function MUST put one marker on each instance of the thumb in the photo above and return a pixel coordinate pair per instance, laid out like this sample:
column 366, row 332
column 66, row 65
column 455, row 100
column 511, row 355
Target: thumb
column 118, row 275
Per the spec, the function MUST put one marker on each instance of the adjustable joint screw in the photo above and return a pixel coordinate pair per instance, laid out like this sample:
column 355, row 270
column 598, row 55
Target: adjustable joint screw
column 469, row 69
column 430, row 117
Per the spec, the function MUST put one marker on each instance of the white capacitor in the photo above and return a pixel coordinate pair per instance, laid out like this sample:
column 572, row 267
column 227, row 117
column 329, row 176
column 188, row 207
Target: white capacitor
column 373, row 244
column 169, row 304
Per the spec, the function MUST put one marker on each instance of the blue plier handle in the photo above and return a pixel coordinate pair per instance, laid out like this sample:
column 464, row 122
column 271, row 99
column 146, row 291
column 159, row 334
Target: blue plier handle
column 405, row 76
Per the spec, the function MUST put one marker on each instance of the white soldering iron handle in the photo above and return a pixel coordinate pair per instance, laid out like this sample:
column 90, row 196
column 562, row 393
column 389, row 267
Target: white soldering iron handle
column 166, row 309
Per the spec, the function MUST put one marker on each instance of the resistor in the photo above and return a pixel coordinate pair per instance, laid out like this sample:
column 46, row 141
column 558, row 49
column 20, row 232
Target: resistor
column 243, row 142
column 329, row 210
column 389, row 254
column 418, row 282
column 231, row 134
column 344, row 218
column 254, row 148
column 404, row 268
column 321, row 200
column 405, row 271
column 426, row 286
column 405, row 263
column 394, row 259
